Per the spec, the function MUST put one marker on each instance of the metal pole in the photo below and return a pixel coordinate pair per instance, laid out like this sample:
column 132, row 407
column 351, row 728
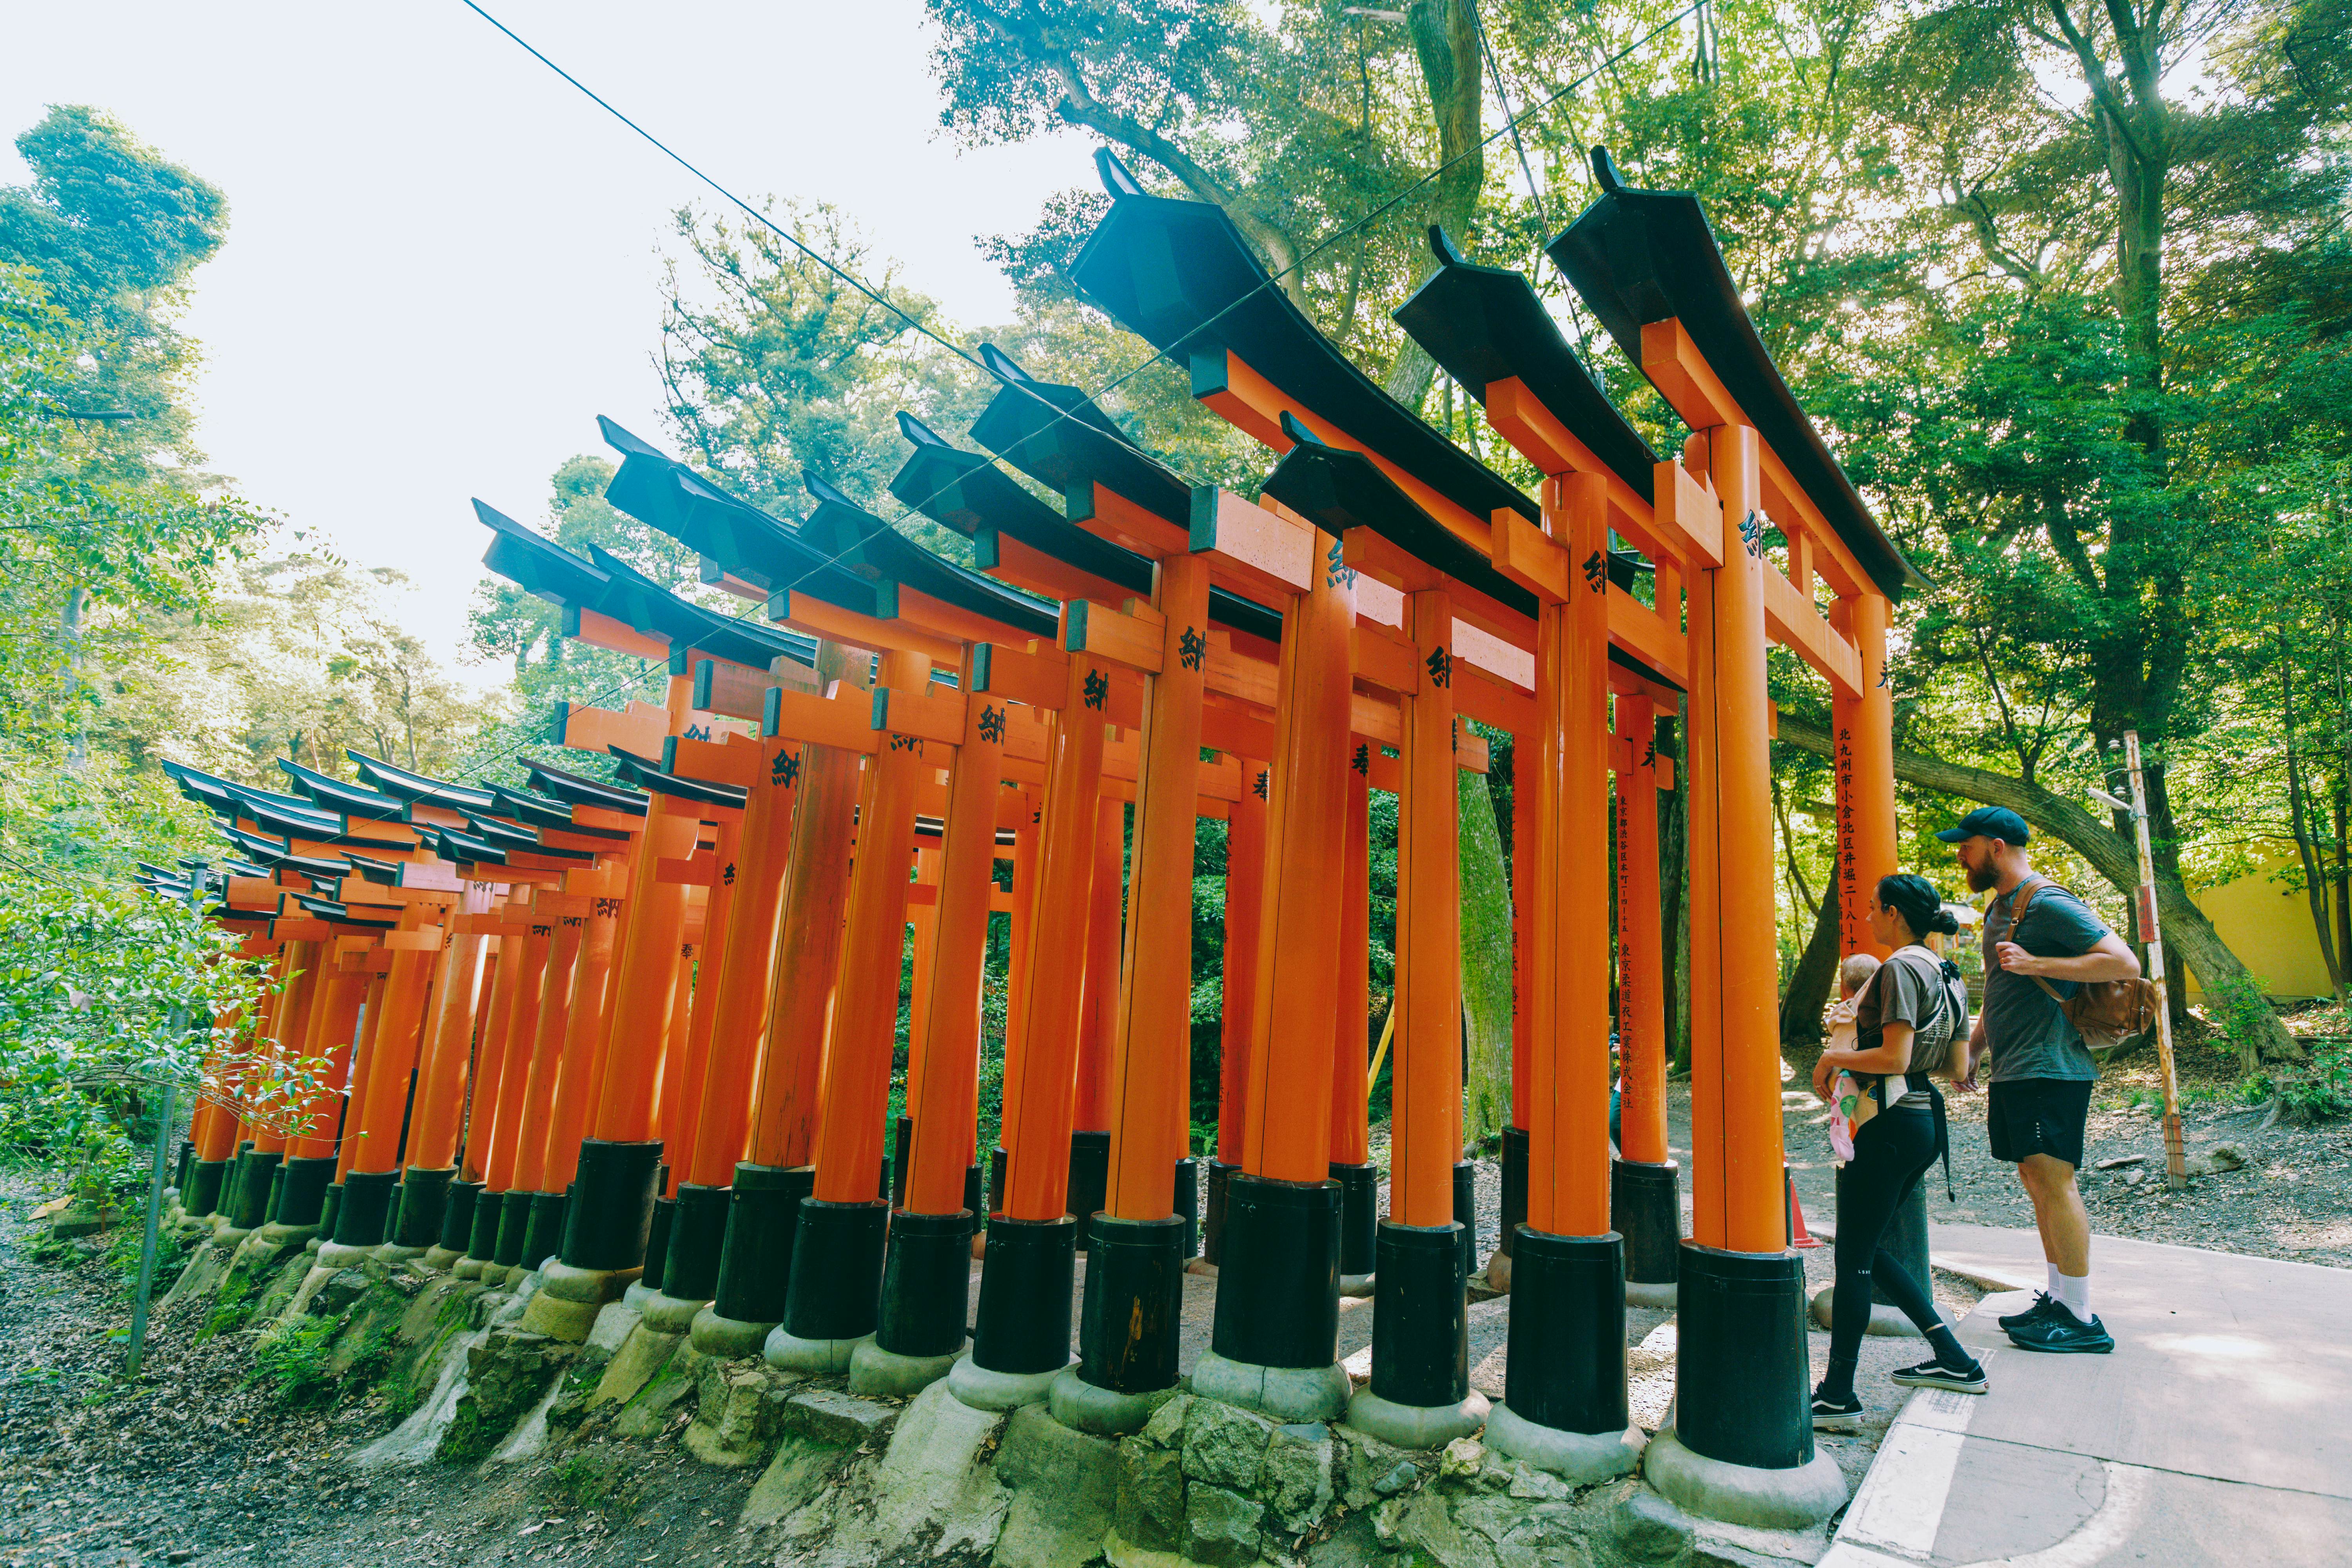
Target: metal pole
column 2176, row 1167
column 147, row 1243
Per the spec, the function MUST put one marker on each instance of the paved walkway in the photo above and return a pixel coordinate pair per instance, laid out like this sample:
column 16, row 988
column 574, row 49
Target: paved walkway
column 2219, row 1431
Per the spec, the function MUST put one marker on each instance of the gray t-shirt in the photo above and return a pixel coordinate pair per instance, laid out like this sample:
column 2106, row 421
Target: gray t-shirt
column 1908, row 989
column 2027, row 1029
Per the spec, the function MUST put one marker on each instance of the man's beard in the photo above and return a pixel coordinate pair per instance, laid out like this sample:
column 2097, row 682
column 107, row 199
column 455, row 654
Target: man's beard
column 1982, row 876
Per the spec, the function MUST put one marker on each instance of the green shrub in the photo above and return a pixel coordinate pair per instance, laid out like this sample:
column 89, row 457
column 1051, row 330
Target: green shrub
column 2322, row 1092
column 294, row 1355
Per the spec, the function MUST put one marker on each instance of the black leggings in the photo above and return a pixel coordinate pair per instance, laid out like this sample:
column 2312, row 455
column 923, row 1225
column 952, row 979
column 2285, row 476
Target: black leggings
column 1891, row 1152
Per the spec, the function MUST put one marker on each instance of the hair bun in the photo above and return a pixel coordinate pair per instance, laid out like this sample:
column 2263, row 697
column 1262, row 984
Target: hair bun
column 1946, row 923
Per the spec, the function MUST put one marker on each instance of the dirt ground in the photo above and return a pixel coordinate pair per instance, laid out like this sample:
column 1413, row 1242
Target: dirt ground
column 193, row 1465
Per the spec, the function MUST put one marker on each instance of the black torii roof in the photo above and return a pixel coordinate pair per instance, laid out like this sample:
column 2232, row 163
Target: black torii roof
column 1058, row 435
column 1341, row 490
column 611, row 586
column 965, row 491
column 1180, row 275
column 409, row 786
column 662, row 492
column 1486, row 324
column 579, row 790
column 1639, row 256
column 871, row 547
column 352, row 800
column 649, row 772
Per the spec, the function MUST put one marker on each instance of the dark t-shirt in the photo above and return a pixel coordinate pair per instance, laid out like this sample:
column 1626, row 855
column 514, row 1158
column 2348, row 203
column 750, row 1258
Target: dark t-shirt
column 2027, row 1029
column 1904, row 991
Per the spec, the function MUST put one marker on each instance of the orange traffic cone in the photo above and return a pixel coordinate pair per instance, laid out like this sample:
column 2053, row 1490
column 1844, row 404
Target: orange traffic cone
column 1798, row 1234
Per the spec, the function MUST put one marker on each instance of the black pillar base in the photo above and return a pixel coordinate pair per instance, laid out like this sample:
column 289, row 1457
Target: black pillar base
column 996, row 1181
column 755, row 1262
column 234, row 1182
column 1279, row 1281
column 611, row 1206
column 1134, row 1306
column 1089, row 1180
column 838, row 1271
column 366, row 1207
column 482, row 1242
column 1421, row 1316
column 1645, row 1208
column 277, row 1181
column 926, row 1276
column 1740, row 1364
column 457, row 1218
column 696, row 1233
column 657, row 1233
column 330, row 1208
column 1212, row 1212
column 1188, row 1202
column 1567, row 1332
column 514, row 1227
column 1024, row 1295
column 974, row 1204
column 200, row 1195
column 180, row 1165
column 303, row 1191
column 1465, row 1213
column 1360, row 1218
column 1515, row 1189
column 252, row 1207
column 542, row 1231
column 424, row 1205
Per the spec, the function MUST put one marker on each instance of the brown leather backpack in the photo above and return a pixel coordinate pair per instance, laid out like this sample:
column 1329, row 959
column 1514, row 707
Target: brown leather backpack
column 2106, row 1012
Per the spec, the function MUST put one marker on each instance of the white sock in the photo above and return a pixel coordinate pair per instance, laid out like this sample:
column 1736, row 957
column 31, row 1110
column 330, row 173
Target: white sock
column 2057, row 1292
column 2075, row 1290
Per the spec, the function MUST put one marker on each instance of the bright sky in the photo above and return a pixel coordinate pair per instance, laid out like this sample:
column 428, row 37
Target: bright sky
column 442, row 258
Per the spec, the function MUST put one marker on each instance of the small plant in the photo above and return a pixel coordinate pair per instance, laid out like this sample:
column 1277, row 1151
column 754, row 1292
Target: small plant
column 2321, row 1093
column 170, row 1255
column 231, row 1307
column 295, row 1356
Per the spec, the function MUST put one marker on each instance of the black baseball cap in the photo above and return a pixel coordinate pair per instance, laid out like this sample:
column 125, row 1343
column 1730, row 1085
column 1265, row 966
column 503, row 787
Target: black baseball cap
column 1990, row 821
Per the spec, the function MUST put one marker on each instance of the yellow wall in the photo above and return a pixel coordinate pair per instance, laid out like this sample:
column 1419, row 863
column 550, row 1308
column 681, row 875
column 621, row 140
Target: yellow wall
column 2267, row 924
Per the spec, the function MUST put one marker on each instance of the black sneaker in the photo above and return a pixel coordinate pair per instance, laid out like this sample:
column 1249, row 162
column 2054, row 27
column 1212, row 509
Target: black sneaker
column 1837, row 1414
column 2061, row 1332
column 2043, row 1302
column 1936, row 1375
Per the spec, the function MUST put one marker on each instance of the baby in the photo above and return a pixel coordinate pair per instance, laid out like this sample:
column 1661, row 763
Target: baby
column 1853, row 975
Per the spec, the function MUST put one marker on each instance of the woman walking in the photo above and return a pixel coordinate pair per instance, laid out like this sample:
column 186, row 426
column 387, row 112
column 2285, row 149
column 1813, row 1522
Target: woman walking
column 1908, row 1014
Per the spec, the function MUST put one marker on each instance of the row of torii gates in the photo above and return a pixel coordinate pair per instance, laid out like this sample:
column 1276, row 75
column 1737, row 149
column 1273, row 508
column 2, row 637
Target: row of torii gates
column 639, row 1035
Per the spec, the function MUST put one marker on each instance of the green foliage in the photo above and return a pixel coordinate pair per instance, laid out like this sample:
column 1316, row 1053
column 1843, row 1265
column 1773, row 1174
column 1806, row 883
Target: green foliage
column 594, row 1478
column 296, row 1356
column 171, row 1247
column 2321, row 1092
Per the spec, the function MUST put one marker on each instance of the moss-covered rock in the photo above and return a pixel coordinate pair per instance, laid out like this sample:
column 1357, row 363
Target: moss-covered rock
column 505, row 1376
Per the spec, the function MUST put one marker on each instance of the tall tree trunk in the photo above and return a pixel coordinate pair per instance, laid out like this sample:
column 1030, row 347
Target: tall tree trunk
column 1486, row 962
column 2218, row 969
column 1445, row 41
column 1816, row 975
column 2315, row 882
column 70, row 633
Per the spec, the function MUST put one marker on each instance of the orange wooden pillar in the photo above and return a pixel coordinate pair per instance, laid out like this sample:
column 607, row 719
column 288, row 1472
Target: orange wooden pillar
column 837, row 1255
column 1644, row 1195
column 1421, row 1324
column 381, row 1113
column 1277, row 1283
column 1135, row 1269
column 1351, row 1140
column 738, row 1003
column 925, row 1277
column 589, row 1015
column 1527, row 765
column 530, row 1201
column 1023, row 1324
column 1740, row 1205
column 1245, row 907
column 1567, row 1371
column 690, row 1079
column 311, row 1144
column 445, row 1059
column 763, row 1215
column 1098, row 1024
column 375, row 962
column 1864, row 767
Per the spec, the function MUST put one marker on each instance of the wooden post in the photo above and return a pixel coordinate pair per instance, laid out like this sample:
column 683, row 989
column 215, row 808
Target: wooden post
column 1863, row 766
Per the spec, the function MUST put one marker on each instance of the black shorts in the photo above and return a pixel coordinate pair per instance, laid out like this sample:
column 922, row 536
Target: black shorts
column 2038, row 1116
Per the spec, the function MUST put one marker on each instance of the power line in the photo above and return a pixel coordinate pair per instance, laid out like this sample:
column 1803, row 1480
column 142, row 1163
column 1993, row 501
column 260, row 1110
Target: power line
column 1509, row 128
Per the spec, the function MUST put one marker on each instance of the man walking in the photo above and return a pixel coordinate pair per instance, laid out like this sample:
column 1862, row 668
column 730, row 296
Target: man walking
column 2040, row 1093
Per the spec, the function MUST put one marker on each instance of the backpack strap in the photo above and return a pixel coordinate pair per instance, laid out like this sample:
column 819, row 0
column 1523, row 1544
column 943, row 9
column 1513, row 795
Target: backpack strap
column 2017, row 924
